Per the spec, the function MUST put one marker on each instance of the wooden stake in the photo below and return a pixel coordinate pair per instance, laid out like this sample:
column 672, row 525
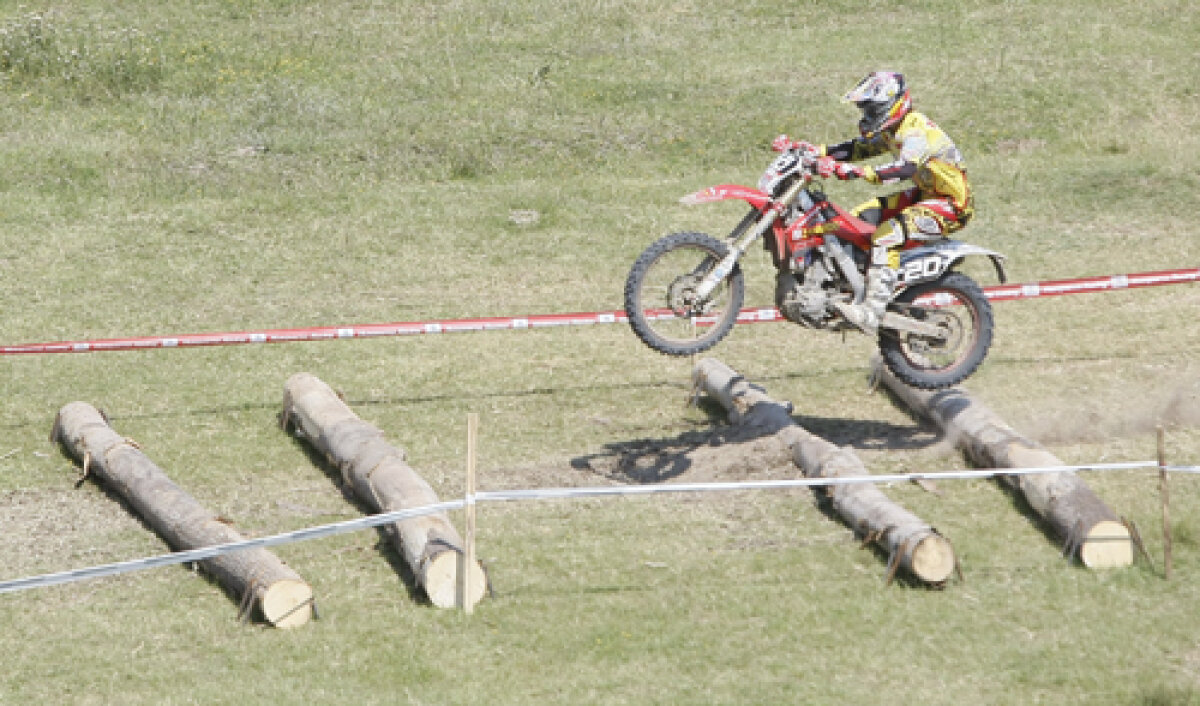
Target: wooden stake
column 468, row 555
column 692, row 357
column 1166, row 502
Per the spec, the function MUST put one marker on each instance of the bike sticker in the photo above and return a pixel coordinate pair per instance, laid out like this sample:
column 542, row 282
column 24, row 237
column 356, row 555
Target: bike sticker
column 922, row 268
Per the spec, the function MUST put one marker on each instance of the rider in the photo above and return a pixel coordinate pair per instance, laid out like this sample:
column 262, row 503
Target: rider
column 939, row 203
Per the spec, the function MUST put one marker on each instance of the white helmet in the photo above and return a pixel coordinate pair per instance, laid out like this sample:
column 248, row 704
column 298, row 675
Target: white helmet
column 883, row 99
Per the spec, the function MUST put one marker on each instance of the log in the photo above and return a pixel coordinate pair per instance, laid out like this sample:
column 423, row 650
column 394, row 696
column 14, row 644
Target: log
column 282, row 598
column 380, row 477
column 1076, row 515
column 912, row 544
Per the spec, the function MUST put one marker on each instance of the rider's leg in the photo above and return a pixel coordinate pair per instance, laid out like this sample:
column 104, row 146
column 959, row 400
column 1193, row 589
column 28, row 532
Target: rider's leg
column 871, row 211
column 881, row 277
column 887, row 240
column 934, row 219
column 930, row 219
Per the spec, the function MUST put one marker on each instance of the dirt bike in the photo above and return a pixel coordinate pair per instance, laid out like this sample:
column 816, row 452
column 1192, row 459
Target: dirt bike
column 685, row 292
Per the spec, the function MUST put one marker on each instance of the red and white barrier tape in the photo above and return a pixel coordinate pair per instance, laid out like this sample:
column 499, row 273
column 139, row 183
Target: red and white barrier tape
column 1091, row 284
column 323, row 333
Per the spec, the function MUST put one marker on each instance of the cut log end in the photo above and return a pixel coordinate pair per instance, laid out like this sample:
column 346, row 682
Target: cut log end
column 1107, row 545
column 441, row 581
column 933, row 559
column 287, row 603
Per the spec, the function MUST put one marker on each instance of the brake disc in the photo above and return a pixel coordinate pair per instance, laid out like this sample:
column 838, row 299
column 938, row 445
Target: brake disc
column 681, row 296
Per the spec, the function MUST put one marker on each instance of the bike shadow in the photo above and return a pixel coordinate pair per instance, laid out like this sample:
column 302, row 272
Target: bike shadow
column 719, row 444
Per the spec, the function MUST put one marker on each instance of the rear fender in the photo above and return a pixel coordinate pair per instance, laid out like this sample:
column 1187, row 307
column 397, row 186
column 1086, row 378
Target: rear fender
column 928, row 262
column 727, row 192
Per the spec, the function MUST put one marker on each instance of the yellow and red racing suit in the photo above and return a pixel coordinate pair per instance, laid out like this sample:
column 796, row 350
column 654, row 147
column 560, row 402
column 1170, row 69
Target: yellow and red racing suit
column 939, row 203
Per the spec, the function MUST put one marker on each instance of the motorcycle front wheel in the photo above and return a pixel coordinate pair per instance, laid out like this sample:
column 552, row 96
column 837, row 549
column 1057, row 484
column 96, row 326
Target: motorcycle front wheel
column 957, row 306
column 660, row 295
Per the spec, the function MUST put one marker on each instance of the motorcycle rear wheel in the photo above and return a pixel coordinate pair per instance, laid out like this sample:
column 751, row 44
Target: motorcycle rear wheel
column 957, row 305
column 660, row 295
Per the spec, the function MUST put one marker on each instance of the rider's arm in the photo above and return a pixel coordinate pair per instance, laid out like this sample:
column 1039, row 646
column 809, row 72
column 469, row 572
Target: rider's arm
column 855, row 149
column 891, row 172
column 913, row 146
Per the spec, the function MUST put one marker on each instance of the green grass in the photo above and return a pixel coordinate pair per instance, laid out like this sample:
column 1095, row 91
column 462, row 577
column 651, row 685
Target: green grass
column 229, row 165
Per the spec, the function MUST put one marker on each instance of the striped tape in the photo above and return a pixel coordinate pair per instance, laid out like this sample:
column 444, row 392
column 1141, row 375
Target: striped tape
column 320, row 333
column 1087, row 285
column 416, row 328
column 328, row 530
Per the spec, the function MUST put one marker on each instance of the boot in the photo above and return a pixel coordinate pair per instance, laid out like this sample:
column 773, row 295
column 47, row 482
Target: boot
column 881, row 286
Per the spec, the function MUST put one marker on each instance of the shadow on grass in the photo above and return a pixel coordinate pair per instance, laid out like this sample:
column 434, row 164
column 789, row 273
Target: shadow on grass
column 658, row 460
column 644, row 461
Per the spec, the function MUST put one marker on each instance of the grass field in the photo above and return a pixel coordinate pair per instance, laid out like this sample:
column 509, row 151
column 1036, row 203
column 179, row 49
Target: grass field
column 235, row 165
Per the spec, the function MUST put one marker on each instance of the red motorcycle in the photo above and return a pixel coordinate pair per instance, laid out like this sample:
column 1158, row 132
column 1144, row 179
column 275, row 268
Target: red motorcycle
column 686, row 290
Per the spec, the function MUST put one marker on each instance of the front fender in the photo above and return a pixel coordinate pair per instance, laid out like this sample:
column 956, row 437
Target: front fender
column 727, row 192
column 930, row 261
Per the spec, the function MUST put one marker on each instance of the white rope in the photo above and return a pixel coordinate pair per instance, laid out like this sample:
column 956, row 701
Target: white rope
column 560, row 493
column 193, row 555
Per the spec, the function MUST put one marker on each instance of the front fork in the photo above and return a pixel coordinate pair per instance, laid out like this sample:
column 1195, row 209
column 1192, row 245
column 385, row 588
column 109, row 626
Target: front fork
column 739, row 246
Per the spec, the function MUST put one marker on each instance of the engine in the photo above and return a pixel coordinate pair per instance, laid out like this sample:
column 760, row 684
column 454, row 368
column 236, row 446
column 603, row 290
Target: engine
column 804, row 300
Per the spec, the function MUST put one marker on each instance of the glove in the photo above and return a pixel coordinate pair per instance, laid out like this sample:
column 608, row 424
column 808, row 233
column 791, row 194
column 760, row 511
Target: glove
column 784, row 143
column 846, row 171
column 828, row 166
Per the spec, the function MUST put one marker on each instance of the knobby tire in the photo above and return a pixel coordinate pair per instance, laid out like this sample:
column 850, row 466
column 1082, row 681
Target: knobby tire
column 896, row 347
column 638, row 300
